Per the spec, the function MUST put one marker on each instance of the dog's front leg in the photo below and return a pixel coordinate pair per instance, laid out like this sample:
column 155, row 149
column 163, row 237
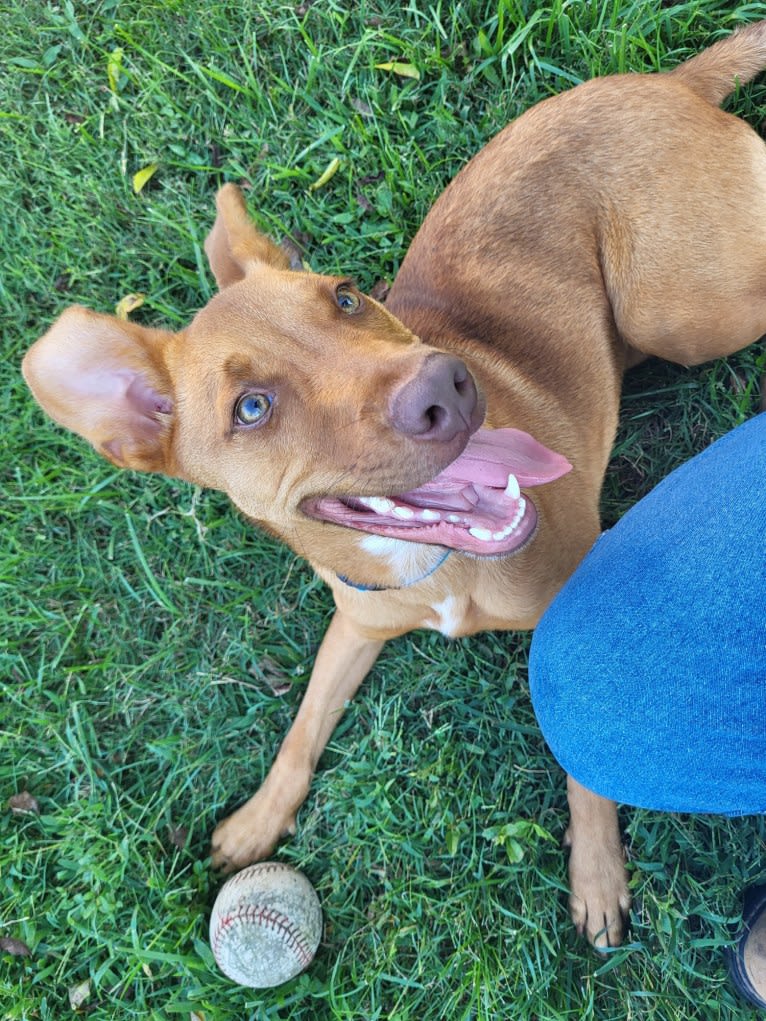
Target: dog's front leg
column 250, row 834
column 599, row 900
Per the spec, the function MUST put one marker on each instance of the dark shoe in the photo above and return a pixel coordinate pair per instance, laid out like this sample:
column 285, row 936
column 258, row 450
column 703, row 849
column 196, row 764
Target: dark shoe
column 747, row 959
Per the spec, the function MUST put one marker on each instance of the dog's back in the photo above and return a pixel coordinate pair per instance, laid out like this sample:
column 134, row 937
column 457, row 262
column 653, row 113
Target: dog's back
column 596, row 225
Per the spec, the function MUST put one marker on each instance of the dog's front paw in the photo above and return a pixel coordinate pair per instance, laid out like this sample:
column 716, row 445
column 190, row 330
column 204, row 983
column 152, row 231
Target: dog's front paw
column 251, row 833
column 599, row 901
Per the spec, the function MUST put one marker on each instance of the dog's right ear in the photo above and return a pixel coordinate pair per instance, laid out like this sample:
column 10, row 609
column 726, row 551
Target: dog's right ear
column 234, row 245
column 107, row 380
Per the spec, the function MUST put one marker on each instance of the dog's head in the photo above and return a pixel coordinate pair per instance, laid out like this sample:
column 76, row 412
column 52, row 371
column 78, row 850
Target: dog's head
column 304, row 400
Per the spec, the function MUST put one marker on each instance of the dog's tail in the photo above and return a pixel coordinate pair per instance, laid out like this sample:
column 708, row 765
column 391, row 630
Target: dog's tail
column 733, row 61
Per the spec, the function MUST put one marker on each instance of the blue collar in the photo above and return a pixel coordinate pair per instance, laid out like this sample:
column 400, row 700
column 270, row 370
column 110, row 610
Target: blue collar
column 392, row 588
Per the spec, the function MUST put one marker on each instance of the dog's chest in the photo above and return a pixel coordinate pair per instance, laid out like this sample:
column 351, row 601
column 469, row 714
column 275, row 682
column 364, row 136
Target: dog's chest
column 449, row 616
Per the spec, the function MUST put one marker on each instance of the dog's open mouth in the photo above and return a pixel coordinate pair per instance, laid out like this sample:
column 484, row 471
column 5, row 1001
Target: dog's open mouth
column 475, row 505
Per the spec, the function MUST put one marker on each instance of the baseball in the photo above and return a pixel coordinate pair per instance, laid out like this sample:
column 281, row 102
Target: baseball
column 266, row 925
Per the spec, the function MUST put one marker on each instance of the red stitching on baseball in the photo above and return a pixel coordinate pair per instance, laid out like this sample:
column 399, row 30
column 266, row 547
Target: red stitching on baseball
column 262, row 867
column 272, row 919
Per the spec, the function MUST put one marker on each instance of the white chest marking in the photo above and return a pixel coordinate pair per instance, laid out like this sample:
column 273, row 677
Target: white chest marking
column 405, row 559
column 448, row 616
column 410, row 560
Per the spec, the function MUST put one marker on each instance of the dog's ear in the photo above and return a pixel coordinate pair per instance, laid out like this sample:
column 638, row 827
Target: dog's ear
column 234, row 245
column 106, row 379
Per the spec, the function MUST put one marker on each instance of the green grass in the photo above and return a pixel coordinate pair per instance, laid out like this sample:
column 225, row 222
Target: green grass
column 144, row 623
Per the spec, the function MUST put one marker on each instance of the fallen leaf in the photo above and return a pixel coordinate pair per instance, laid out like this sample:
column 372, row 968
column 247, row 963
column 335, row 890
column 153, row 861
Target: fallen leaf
column 128, row 304
column 328, row 173
column 23, row 804
column 79, row 994
column 738, row 382
column 403, row 70
column 272, row 674
column 361, row 107
column 178, row 836
column 114, row 68
column 14, row 946
column 142, row 176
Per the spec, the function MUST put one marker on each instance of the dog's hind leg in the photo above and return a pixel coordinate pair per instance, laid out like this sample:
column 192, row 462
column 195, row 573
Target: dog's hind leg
column 683, row 254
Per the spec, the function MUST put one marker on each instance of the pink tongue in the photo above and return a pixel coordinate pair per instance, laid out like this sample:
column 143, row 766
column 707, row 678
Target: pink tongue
column 492, row 454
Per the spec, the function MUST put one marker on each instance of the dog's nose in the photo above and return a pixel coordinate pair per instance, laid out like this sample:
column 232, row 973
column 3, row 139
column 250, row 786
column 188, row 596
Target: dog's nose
column 438, row 403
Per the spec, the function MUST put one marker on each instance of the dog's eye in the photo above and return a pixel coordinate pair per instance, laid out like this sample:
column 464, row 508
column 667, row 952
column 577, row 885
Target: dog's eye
column 348, row 300
column 253, row 409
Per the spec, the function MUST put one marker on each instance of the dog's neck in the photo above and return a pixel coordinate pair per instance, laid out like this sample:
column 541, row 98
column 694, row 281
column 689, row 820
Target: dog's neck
column 377, row 563
column 406, row 581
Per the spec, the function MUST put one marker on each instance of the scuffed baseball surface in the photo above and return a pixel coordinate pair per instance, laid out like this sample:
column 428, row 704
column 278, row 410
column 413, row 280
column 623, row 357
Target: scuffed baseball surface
column 266, row 925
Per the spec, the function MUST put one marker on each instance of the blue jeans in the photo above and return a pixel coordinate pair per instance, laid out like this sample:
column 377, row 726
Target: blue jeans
column 648, row 671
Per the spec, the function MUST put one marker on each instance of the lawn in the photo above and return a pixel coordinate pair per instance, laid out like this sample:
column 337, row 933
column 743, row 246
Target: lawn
column 155, row 647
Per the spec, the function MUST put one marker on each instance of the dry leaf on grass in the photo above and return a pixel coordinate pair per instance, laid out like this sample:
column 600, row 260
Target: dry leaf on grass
column 23, row 803
column 403, row 70
column 16, row 947
column 179, row 835
column 362, row 108
column 144, row 175
column 327, row 175
column 272, row 674
column 78, row 995
column 128, row 304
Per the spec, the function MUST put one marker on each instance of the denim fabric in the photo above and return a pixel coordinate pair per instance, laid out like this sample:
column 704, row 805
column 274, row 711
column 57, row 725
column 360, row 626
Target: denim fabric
column 648, row 671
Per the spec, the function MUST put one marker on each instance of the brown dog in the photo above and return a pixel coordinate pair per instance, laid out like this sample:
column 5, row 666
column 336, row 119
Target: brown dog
column 622, row 219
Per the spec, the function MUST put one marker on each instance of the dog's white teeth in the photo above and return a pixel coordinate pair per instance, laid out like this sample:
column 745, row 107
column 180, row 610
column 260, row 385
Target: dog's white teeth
column 382, row 505
column 379, row 504
column 512, row 525
column 482, row 534
column 512, row 489
column 453, row 519
column 517, row 516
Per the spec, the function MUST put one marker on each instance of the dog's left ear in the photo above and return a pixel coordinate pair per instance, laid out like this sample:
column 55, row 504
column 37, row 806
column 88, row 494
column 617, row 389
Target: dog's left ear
column 234, row 245
column 107, row 380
